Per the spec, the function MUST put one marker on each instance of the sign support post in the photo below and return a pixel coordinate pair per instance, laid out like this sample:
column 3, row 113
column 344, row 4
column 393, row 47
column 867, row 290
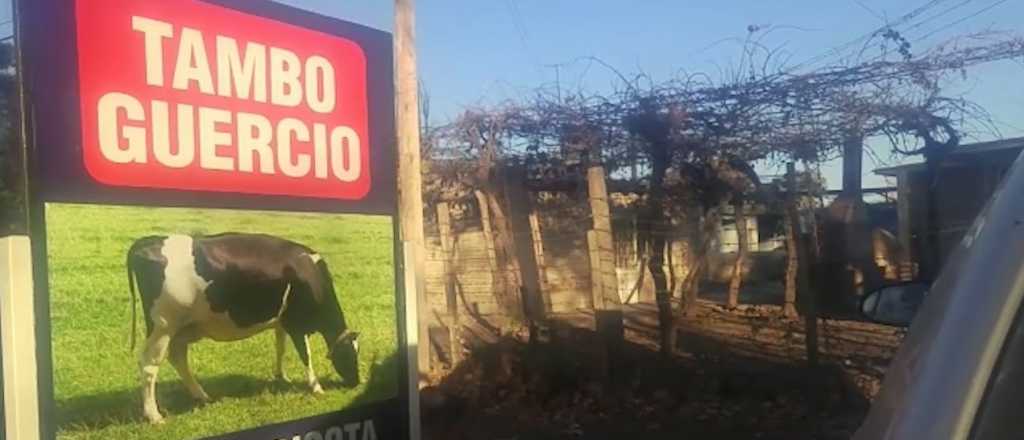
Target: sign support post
column 17, row 331
column 410, row 179
column 412, row 340
column 18, row 324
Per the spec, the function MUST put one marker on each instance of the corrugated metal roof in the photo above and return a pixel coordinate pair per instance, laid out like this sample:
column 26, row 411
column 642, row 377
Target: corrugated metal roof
column 975, row 148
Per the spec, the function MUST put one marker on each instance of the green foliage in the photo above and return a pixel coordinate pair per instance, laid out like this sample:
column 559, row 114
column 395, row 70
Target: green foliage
column 6, row 55
column 11, row 203
column 96, row 374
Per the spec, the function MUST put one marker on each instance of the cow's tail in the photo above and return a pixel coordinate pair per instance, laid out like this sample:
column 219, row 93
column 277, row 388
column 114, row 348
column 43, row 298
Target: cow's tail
column 131, row 289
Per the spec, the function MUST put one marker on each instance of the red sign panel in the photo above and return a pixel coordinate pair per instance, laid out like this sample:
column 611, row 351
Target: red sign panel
column 188, row 95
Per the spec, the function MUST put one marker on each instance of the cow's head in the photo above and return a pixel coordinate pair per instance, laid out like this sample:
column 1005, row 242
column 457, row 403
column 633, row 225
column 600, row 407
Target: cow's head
column 344, row 355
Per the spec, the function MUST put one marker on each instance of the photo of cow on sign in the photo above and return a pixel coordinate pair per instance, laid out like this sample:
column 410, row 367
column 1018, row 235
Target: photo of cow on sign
column 262, row 317
column 229, row 287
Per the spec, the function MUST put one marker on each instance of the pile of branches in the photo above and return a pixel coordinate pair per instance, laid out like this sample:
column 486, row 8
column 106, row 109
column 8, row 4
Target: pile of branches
column 759, row 110
column 693, row 141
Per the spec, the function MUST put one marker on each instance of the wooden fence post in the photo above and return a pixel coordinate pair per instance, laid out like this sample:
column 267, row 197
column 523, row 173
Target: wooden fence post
column 444, row 226
column 596, row 282
column 520, row 205
column 538, row 251
column 602, row 245
column 608, row 318
column 497, row 278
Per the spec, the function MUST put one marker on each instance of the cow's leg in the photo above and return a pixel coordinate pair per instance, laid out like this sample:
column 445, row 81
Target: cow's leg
column 149, row 364
column 279, row 335
column 179, row 359
column 301, row 342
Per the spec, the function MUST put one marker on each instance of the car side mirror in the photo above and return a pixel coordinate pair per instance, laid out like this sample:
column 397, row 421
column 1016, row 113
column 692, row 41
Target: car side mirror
column 895, row 304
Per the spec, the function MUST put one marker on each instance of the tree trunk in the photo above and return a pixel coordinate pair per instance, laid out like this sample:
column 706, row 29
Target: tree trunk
column 655, row 223
column 792, row 215
column 662, row 296
column 736, row 281
column 806, row 290
column 810, row 306
column 708, row 225
column 691, row 286
column 792, row 264
column 853, row 167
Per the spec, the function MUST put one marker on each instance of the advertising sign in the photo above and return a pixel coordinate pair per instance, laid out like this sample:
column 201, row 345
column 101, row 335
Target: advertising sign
column 210, row 91
column 213, row 222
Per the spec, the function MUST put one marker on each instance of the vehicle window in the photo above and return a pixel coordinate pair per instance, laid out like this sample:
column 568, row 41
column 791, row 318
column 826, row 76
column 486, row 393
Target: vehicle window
column 999, row 414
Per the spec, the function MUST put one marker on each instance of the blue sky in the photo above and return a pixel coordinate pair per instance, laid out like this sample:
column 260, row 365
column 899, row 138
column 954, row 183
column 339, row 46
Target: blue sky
column 474, row 52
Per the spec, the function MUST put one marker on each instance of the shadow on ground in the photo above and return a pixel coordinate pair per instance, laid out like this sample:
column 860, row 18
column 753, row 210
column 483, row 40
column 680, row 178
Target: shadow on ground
column 716, row 387
column 124, row 406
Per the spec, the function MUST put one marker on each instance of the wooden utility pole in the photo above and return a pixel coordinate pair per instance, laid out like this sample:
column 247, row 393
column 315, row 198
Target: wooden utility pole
column 410, row 179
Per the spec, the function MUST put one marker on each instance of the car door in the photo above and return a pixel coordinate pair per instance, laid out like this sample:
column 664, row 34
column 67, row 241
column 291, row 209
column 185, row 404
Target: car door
column 947, row 379
column 999, row 416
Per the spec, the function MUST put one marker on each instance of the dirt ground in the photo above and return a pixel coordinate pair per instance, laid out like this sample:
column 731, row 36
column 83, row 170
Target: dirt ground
column 738, row 374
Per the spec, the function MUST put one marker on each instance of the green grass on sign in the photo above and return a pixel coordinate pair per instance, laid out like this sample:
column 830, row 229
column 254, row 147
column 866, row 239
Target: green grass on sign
column 96, row 374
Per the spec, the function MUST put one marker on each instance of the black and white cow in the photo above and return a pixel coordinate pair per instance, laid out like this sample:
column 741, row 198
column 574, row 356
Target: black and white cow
column 229, row 287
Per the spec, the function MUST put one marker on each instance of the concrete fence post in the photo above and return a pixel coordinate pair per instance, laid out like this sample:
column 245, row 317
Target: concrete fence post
column 18, row 339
